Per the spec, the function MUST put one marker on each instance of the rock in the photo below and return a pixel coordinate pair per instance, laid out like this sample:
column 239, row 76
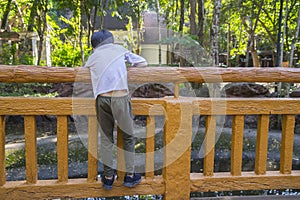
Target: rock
column 152, row 90
column 245, row 90
column 63, row 89
column 295, row 93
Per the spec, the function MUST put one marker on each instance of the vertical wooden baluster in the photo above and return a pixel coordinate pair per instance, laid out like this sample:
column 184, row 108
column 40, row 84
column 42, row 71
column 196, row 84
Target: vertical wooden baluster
column 237, row 145
column 2, row 151
column 120, row 155
column 62, row 148
column 92, row 148
column 30, row 148
column 176, row 90
column 262, row 144
column 210, row 134
column 287, row 143
column 150, row 133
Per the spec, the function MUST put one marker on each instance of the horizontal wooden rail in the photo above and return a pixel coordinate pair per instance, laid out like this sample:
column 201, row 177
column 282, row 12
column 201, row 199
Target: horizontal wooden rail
column 249, row 180
column 76, row 188
column 26, row 74
column 153, row 106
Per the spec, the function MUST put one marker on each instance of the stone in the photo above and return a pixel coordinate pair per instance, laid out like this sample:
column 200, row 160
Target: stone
column 245, row 90
column 152, row 90
column 295, row 93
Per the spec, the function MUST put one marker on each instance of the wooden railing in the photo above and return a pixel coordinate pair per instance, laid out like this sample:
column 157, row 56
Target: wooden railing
column 176, row 181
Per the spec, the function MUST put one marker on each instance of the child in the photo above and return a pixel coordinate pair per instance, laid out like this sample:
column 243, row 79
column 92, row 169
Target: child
column 109, row 80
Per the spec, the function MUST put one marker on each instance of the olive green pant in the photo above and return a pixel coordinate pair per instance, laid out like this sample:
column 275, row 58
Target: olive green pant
column 111, row 110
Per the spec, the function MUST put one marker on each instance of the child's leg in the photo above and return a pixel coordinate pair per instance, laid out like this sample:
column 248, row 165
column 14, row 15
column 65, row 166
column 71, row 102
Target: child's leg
column 123, row 115
column 106, row 122
column 129, row 152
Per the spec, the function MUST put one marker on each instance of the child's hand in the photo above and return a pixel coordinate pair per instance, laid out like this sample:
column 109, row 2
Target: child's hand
column 141, row 64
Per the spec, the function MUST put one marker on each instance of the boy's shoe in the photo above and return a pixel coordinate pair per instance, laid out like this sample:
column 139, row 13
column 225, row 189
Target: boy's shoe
column 131, row 181
column 107, row 182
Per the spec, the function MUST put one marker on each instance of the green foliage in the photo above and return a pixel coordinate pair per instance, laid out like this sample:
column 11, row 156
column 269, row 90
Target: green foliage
column 65, row 30
column 10, row 55
column 65, row 54
column 7, row 54
column 26, row 89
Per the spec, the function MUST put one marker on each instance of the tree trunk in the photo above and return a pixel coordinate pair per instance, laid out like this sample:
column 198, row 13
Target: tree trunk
column 42, row 27
column 193, row 17
column 284, row 32
column 251, row 46
column 201, row 22
column 214, row 88
column 18, row 17
column 215, row 33
column 102, row 5
column 228, row 64
column 278, row 63
column 181, row 23
column 81, row 32
column 33, row 14
column 5, row 15
column 159, row 31
column 295, row 40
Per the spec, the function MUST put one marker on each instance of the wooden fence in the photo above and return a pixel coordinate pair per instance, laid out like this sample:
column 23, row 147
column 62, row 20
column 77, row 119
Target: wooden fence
column 176, row 181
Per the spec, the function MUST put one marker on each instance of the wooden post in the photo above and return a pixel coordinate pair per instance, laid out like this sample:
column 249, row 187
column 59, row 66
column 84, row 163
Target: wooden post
column 92, row 148
column 237, row 145
column 177, row 155
column 62, row 148
column 31, row 151
column 2, row 151
column 150, row 133
column 262, row 144
column 176, row 90
column 210, row 135
column 287, row 143
column 121, row 168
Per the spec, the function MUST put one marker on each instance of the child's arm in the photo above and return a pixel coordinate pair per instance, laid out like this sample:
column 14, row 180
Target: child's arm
column 135, row 60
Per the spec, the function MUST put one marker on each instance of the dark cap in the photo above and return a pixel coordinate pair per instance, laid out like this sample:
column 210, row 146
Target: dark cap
column 101, row 37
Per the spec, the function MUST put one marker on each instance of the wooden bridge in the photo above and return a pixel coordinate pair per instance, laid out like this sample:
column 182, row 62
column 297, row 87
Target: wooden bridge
column 176, row 181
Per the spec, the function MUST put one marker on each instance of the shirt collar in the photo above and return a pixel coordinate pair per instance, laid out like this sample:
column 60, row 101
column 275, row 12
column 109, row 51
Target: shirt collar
column 103, row 46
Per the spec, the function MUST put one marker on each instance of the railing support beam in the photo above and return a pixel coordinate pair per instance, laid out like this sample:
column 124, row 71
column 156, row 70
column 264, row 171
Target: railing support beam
column 178, row 138
column 2, row 151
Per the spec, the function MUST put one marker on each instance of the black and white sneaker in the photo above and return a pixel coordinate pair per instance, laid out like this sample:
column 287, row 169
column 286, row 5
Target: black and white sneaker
column 132, row 180
column 107, row 182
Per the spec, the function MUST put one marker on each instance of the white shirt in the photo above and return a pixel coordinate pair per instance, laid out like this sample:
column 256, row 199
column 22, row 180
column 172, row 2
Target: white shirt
column 108, row 69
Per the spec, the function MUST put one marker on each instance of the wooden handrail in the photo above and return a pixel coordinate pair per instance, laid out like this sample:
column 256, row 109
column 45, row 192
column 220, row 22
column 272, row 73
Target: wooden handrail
column 30, row 74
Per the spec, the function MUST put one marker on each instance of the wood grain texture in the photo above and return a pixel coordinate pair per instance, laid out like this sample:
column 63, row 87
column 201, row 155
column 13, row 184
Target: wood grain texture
column 70, row 106
column 121, row 164
column 2, row 151
column 43, row 74
column 177, row 152
column 92, row 148
column 62, row 148
column 246, row 106
column 76, row 188
column 287, row 144
column 142, row 106
column 209, row 142
column 237, row 145
column 262, row 144
column 30, row 149
column 150, row 144
column 247, row 181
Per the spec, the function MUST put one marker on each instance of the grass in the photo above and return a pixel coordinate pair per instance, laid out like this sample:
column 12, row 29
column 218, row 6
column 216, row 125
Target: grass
column 45, row 155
